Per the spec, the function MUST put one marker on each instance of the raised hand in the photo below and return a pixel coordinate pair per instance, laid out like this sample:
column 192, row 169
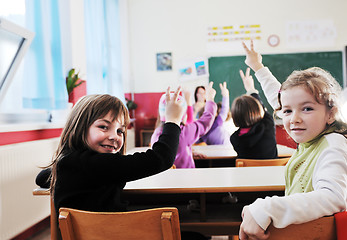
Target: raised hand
column 187, row 94
column 174, row 109
column 248, row 81
column 253, row 58
column 210, row 92
column 224, row 90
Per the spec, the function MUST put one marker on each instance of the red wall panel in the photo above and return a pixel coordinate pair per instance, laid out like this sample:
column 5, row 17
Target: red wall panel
column 283, row 138
column 26, row 136
column 146, row 112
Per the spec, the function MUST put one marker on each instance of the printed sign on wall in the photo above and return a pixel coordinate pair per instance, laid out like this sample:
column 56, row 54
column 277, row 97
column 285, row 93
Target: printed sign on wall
column 229, row 38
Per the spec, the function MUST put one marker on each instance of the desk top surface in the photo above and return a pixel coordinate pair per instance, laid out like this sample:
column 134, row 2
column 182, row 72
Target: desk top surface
column 204, row 180
column 207, row 180
column 220, row 151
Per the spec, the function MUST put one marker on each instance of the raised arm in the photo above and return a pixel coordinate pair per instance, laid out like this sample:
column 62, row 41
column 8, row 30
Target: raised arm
column 269, row 83
column 174, row 109
column 225, row 101
column 210, row 92
column 190, row 110
column 248, row 82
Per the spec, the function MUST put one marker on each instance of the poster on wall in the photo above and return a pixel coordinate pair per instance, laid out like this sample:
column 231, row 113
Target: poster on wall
column 318, row 33
column 230, row 37
column 164, row 61
column 192, row 69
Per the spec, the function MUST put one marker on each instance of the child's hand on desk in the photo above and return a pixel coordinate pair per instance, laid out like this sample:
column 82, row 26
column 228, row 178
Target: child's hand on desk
column 249, row 228
column 253, row 59
column 210, row 92
column 197, row 155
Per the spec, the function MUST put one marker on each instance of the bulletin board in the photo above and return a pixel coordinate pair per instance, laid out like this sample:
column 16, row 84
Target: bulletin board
column 281, row 65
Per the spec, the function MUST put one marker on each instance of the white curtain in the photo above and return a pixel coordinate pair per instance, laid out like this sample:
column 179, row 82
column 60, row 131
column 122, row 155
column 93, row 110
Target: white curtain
column 45, row 88
column 103, row 47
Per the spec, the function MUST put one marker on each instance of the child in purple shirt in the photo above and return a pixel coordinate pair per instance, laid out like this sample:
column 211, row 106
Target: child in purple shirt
column 217, row 134
column 191, row 132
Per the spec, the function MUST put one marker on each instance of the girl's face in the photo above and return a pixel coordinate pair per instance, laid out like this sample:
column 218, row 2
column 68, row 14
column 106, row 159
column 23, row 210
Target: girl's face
column 201, row 95
column 303, row 117
column 105, row 135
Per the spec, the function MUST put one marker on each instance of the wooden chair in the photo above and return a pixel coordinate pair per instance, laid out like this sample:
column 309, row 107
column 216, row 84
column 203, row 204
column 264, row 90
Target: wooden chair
column 321, row 229
column 150, row 224
column 55, row 234
column 240, row 162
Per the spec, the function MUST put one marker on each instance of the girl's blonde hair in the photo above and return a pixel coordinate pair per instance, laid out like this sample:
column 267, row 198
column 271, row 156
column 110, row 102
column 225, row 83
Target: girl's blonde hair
column 320, row 83
column 246, row 111
column 323, row 87
column 86, row 111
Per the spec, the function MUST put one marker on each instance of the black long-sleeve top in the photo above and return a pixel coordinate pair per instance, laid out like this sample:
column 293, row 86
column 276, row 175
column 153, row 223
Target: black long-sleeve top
column 260, row 141
column 92, row 181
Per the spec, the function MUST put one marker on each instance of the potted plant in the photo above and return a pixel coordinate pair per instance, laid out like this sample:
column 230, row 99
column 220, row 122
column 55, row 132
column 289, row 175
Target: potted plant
column 73, row 81
column 130, row 104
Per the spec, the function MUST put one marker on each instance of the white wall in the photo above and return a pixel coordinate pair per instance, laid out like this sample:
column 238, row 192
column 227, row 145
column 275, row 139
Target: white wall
column 180, row 27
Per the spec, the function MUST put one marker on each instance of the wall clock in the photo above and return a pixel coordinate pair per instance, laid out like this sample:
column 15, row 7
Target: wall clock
column 273, row 40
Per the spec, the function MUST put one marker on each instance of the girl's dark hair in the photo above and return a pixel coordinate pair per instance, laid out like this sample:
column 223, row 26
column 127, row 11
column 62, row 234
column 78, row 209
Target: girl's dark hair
column 196, row 91
column 86, row 111
column 246, row 111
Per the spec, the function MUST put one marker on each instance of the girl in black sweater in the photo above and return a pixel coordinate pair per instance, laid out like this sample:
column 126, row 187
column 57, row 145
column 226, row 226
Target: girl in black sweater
column 90, row 169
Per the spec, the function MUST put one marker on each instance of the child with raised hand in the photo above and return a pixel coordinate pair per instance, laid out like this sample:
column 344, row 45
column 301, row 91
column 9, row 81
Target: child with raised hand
column 217, row 134
column 316, row 174
column 256, row 136
column 90, row 169
column 191, row 132
column 190, row 110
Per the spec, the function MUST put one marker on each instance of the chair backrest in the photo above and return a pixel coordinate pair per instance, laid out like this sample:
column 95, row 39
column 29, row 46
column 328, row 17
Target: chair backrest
column 321, row 229
column 150, row 224
column 55, row 234
column 241, row 162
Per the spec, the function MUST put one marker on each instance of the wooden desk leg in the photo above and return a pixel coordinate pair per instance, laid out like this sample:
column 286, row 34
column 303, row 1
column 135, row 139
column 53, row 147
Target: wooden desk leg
column 203, row 207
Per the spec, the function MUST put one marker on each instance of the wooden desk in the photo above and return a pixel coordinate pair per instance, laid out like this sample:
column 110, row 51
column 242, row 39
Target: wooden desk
column 211, row 151
column 209, row 180
column 207, row 186
column 175, row 187
column 219, row 155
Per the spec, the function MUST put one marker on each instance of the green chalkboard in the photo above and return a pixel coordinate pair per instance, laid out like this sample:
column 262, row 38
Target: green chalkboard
column 281, row 65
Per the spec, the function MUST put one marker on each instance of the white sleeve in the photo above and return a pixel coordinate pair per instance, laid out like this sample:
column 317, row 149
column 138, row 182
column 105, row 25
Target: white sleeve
column 270, row 86
column 329, row 196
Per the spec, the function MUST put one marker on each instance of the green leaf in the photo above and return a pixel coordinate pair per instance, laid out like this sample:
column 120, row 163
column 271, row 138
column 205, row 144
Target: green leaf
column 71, row 80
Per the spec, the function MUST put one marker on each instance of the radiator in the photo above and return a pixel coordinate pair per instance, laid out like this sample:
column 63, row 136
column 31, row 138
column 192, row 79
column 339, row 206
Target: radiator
column 19, row 165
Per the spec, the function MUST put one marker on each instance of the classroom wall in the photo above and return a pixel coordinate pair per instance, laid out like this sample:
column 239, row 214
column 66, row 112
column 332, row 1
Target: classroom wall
column 180, row 27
